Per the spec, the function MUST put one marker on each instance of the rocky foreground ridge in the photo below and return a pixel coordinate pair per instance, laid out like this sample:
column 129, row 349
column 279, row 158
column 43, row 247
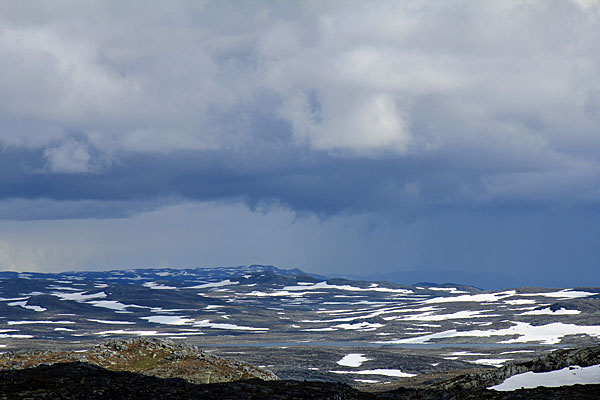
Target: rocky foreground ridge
column 77, row 380
column 150, row 357
column 558, row 359
column 143, row 368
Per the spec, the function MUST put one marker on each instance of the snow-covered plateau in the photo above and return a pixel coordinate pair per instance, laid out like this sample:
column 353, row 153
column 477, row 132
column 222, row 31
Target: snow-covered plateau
column 357, row 328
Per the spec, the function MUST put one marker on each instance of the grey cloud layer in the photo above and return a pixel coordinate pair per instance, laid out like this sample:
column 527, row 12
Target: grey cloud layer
column 325, row 108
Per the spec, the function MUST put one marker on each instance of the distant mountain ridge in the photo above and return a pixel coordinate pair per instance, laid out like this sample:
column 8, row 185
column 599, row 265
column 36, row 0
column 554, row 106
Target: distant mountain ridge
column 444, row 278
column 166, row 274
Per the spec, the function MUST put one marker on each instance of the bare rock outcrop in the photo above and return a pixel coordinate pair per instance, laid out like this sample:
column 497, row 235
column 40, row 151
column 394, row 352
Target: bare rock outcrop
column 151, row 357
column 558, row 359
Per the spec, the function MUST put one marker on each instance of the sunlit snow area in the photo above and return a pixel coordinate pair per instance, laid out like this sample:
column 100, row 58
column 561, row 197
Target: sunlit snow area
column 353, row 360
column 574, row 375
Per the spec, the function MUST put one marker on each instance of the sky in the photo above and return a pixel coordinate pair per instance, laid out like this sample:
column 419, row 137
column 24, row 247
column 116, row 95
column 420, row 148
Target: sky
column 442, row 141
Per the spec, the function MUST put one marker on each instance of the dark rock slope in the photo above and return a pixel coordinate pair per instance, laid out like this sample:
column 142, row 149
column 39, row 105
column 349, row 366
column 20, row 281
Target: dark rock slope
column 78, row 380
column 158, row 369
column 584, row 357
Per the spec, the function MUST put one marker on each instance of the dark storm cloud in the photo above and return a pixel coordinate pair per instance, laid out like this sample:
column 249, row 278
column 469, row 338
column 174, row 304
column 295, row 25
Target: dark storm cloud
column 305, row 182
column 301, row 179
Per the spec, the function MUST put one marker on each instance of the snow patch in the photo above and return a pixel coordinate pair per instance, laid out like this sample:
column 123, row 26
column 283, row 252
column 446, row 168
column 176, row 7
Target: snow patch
column 574, row 375
column 207, row 324
column 79, row 296
column 496, row 362
column 110, row 304
column 158, row 286
column 15, row 336
column 168, row 319
column 325, row 285
column 23, row 304
column 478, row 298
column 464, row 353
column 429, row 316
column 544, row 334
column 359, row 325
column 451, row 290
column 519, row 302
column 103, row 321
column 38, row 322
column 563, row 294
column 353, row 360
column 317, row 329
column 124, row 332
column 385, row 372
column 226, row 282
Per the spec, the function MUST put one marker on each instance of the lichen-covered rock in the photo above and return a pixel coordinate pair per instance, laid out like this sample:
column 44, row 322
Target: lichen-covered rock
column 556, row 360
column 152, row 357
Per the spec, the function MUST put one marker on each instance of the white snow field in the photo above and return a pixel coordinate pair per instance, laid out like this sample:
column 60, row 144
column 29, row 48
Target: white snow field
column 568, row 376
column 79, row 296
column 543, row 334
column 26, row 306
column 104, row 321
column 207, row 324
column 324, row 285
column 157, row 286
column 381, row 371
column 495, row 362
column 562, row 294
column 354, row 360
column 169, row 319
column 225, row 282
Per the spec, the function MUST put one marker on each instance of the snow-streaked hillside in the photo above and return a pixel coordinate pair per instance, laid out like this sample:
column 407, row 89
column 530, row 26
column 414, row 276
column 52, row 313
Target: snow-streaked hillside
column 260, row 304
